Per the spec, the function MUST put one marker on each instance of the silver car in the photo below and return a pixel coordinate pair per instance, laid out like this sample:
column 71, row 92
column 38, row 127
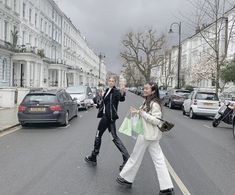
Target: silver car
column 83, row 94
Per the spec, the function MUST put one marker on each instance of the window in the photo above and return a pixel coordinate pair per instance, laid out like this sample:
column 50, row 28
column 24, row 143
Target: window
column 5, row 30
column 55, row 35
column 49, row 30
column 30, row 15
column 41, row 24
column 36, row 42
column 4, row 69
column 36, row 18
column 45, row 27
column 14, row 8
column 24, row 6
column 23, row 37
column 30, row 39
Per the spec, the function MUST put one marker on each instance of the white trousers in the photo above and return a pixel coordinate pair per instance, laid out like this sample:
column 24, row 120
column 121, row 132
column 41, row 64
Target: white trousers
column 131, row 168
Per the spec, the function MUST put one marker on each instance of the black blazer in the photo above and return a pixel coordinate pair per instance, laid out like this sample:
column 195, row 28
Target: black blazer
column 111, row 104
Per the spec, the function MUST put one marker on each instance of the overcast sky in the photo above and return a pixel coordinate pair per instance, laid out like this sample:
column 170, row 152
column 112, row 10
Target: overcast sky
column 105, row 22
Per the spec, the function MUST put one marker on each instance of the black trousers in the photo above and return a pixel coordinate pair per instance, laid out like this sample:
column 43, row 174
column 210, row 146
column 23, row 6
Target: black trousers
column 111, row 126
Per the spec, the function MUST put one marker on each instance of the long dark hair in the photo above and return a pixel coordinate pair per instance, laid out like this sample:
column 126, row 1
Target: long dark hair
column 154, row 97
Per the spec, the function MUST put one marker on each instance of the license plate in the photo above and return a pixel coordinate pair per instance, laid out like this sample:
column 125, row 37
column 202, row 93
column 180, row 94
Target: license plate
column 37, row 109
column 208, row 104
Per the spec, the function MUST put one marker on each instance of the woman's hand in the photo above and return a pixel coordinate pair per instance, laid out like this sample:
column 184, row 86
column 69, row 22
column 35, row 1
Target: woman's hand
column 142, row 112
column 133, row 110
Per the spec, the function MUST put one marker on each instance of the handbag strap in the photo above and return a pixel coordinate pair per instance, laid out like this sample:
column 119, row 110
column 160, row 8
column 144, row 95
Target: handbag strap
column 160, row 119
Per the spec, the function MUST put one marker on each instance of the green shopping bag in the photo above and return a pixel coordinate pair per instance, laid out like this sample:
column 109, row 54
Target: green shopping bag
column 125, row 127
column 138, row 127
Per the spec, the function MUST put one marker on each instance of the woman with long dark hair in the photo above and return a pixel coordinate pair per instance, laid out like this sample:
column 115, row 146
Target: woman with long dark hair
column 150, row 111
column 108, row 108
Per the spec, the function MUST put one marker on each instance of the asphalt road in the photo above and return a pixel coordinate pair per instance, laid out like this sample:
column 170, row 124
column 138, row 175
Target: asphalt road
column 50, row 160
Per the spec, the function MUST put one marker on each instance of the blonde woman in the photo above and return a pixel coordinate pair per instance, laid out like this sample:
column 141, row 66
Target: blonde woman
column 150, row 111
column 108, row 107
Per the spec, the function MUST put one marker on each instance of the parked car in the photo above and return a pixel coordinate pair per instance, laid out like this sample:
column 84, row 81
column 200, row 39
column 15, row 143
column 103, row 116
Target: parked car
column 47, row 106
column 201, row 102
column 83, row 94
column 175, row 98
column 133, row 89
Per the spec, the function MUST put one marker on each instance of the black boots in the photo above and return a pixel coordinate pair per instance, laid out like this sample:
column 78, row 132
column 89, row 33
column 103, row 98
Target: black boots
column 125, row 159
column 123, row 150
column 92, row 158
column 123, row 182
column 167, row 192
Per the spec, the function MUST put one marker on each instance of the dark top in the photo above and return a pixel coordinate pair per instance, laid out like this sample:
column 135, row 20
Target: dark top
column 111, row 102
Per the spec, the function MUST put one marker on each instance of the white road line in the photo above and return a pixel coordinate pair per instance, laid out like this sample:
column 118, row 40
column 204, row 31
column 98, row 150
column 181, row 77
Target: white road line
column 207, row 126
column 178, row 181
column 10, row 131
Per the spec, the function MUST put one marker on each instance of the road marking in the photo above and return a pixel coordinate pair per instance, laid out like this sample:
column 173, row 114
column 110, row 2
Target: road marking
column 178, row 181
column 185, row 116
column 10, row 131
column 207, row 126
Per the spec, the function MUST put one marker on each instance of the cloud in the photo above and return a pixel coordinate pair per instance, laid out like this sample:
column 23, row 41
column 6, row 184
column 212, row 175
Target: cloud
column 105, row 22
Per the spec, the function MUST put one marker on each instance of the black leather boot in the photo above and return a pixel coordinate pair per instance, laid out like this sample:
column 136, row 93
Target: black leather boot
column 123, row 150
column 123, row 164
column 92, row 158
column 169, row 191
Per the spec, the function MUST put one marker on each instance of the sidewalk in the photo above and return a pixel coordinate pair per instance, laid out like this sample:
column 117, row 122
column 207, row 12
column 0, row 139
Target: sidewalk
column 8, row 118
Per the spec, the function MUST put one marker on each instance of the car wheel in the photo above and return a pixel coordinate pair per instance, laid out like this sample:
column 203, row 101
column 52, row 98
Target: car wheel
column 191, row 114
column 170, row 105
column 23, row 124
column 66, row 119
column 76, row 112
column 215, row 123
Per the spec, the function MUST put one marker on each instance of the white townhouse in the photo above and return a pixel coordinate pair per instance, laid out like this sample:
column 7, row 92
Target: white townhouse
column 40, row 47
column 196, row 55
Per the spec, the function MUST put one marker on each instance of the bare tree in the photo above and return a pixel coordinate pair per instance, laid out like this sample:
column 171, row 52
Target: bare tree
column 132, row 75
column 144, row 51
column 217, row 35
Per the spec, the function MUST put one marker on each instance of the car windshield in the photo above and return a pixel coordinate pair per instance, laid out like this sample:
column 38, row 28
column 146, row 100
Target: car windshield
column 182, row 93
column 207, row 96
column 76, row 90
column 40, row 98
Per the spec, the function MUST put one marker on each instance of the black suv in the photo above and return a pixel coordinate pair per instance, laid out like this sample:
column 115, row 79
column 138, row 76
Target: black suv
column 47, row 106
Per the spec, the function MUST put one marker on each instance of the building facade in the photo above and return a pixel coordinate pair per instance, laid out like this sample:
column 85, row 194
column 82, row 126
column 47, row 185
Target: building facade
column 40, row 47
column 197, row 66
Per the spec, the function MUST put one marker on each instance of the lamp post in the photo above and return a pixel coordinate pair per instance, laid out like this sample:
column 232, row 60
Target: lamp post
column 179, row 51
column 101, row 57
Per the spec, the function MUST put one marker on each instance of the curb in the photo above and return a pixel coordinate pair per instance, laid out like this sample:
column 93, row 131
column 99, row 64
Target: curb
column 10, row 127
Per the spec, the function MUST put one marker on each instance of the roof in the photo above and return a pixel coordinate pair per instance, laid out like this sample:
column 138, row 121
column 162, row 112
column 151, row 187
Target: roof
column 45, row 90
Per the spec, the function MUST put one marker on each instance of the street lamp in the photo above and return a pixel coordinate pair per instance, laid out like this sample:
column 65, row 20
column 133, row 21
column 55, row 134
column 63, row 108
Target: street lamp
column 179, row 50
column 101, row 57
